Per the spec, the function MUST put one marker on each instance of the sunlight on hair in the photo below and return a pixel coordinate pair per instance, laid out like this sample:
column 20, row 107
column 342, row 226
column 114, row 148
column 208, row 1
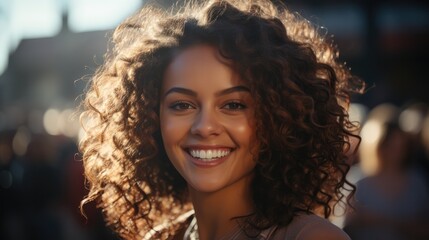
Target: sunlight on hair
column 81, row 134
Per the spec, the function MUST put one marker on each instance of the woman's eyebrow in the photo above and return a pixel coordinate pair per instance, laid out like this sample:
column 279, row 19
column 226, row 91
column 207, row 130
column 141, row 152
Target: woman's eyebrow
column 182, row 91
column 239, row 88
column 192, row 93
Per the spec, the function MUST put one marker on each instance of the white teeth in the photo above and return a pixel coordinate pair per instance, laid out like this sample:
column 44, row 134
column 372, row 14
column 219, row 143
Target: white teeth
column 207, row 155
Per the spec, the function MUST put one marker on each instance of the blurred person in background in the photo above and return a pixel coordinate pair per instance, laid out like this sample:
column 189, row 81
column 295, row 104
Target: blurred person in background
column 414, row 120
column 222, row 121
column 40, row 189
column 392, row 202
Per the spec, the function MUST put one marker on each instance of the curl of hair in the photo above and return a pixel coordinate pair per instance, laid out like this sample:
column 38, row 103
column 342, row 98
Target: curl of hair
column 301, row 93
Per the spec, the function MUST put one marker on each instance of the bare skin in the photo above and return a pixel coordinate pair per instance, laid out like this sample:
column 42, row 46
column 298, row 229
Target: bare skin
column 215, row 211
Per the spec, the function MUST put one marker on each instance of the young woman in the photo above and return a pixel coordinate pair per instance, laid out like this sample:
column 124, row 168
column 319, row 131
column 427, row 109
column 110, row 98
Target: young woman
column 224, row 120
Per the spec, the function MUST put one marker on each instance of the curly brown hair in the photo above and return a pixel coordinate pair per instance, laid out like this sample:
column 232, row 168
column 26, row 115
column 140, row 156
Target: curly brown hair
column 300, row 90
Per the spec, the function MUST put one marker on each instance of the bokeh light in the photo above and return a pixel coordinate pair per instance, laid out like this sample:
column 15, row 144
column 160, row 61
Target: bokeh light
column 21, row 140
column 51, row 121
column 371, row 133
column 410, row 120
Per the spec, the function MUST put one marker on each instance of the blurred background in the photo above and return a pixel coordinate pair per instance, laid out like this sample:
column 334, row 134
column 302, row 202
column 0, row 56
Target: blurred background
column 50, row 48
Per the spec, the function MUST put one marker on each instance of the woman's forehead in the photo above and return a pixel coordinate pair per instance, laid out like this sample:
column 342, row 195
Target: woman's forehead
column 200, row 63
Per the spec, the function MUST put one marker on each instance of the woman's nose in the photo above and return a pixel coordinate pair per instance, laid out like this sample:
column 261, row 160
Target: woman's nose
column 206, row 124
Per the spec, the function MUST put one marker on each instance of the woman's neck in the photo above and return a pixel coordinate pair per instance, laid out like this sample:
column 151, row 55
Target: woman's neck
column 215, row 211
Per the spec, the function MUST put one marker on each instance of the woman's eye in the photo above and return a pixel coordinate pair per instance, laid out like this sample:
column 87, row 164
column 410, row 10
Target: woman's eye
column 181, row 106
column 234, row 106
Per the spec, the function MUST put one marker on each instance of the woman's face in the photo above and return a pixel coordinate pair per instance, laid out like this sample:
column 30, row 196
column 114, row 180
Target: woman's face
column 207, row 120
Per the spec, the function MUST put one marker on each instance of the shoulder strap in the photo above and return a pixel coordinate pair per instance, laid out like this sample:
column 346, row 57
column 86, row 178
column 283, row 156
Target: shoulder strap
column 267, row 233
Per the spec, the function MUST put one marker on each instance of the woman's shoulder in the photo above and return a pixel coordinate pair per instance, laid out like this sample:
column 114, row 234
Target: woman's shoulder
column 309, row 227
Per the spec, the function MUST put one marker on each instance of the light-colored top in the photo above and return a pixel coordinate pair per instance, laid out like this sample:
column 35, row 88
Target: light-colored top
column 303, row 227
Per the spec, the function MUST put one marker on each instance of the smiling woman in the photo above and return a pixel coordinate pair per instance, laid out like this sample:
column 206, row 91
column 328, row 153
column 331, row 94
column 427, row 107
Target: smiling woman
column 225, row 120
column 205, row 110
